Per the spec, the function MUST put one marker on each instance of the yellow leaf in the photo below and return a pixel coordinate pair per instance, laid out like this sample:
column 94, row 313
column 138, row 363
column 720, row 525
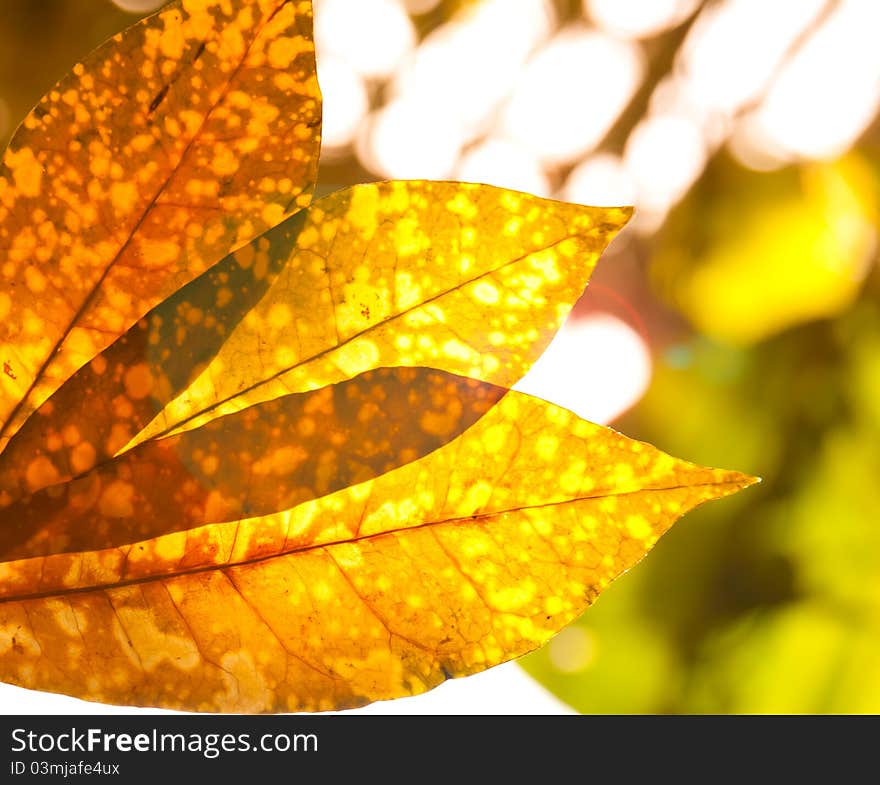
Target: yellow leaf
column 468, row 278
column 140, row 169
column 248, row 496
column 462, row 559
column 471, row 279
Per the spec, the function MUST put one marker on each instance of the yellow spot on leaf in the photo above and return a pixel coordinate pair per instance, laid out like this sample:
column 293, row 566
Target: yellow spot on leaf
column 138, row 381
column 282, row 51
column 123, row 196
column 82, row 458
column 40, row 472
column 116, row 500
column 486, row 293
column 26, row 170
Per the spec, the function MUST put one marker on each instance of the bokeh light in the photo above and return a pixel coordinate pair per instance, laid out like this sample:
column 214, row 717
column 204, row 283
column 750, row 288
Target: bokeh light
column 372, row 36
column 597, row 366
column 402, row 142
column 734, row 46
column 345, row 104
column 638, row 18
column 570, row 94
column 138, row 6
column 572, row 650
column 505, row 164
column 827, row 93
column 602, row 180
column 664, row 155
column 464, row 69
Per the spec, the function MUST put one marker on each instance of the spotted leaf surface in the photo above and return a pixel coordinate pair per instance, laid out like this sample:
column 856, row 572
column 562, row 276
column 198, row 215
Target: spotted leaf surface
column 263, row 460
column 107, row 402
column 181, row 138
column 452, row 563
column 260, row 456
column 468, row 278
column 471, row 279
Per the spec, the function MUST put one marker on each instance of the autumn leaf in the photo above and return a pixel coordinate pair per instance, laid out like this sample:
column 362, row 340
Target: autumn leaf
column 264, row 469
column 265, row 459
column 187, row 135
column 464, row 558
column 99, row 409
column 467, row 278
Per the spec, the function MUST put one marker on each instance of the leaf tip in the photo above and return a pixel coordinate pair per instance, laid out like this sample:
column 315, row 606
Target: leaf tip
column 746, row 479
column 734, row 482
column 621, row 215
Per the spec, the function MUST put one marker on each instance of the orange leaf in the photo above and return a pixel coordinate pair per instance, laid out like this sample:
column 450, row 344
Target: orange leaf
column 108, row 401
column 265, row 459
column 468, row 278
column 460, row 560
column 244, row 497
column 143, row 167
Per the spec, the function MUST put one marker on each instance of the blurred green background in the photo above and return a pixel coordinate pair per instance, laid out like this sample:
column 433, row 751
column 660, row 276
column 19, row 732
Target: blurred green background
column 746, row 134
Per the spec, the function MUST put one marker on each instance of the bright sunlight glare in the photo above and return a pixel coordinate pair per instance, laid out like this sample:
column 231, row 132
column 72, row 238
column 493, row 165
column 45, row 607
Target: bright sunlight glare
column 505, row 164
column 664, row 155
column 597, row 366
column 403, row 142
column 571, row 93
column 345, row 104
column 601, row 180
column 828, row 93
column 729, row 55
column 372, row 36
column 464, row 69
column 638, row 18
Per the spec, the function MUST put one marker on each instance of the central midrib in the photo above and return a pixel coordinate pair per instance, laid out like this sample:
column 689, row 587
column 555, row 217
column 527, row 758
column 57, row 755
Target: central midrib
column 485, row 516
column 330, row 349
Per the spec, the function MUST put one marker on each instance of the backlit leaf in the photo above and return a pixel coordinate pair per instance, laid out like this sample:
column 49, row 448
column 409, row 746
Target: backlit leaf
column 265, row 459
column 445, row 566
column 185, row 136
column 111, row 399
column 471, row 279
column 468, row 278
column 257, row 464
